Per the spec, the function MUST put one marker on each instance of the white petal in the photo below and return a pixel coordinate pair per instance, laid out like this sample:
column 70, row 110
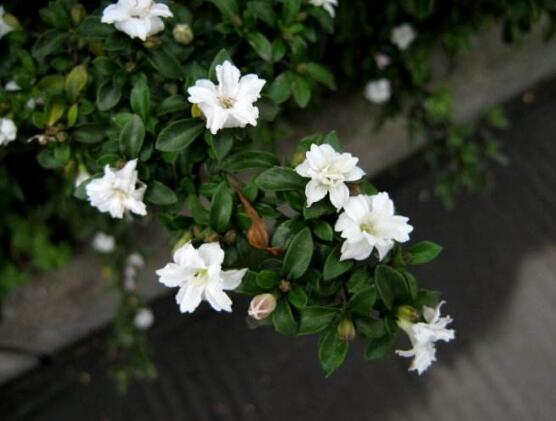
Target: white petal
column 228, row 78
column 172, row 275
column 339, row 194
column 359, row 250
column 232, row 278
column 162, row 10
column 189, row 298
column 315, row 191
column 355, row 174
column 356, row 207
column 218, row 299
column 212, row 254
column 250, row 87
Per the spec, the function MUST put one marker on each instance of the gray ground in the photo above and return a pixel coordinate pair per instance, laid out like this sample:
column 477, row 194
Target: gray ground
column 497, row 274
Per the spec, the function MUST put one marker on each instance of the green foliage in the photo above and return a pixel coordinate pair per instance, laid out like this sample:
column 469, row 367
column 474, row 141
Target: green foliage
column 106, row 98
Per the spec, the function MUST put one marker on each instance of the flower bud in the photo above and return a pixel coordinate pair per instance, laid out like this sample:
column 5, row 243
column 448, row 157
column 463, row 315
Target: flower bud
column 262, row 306
column 285, row 286
column 78, row 13
column 185, row 238
column 230, row 237
column 11, row 21
column 298, row 158
column 153, row 41
column 407, row 313
column 346, row 330
column 183, row 34
column 196, row 111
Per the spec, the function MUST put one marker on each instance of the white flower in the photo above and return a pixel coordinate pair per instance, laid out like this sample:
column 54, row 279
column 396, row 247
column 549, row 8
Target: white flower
column 328, row 171
column 402, row 36
column 137, row 18
column 327, row 5
column 382, row 60
column 230, row 103
column 368, row 222
column 8, row 131
column 144, row 319
column 262, row 306
column 378, row 91
column 4, row 27
column 103, row 243
column 134, row 262
column 423, row 337
column 12, row 86
column 198, row 274
column 117, row 191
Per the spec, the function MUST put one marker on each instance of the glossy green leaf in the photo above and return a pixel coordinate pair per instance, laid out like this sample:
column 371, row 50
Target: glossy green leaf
column 283, row 319
column 178, row 135
column 132, row 137
column 332, row 352
column 160, row 194
column 280, row 179
column 299, row 254
column 221, row 208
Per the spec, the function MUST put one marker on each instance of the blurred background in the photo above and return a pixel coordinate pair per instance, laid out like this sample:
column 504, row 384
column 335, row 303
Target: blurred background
column 497, row 273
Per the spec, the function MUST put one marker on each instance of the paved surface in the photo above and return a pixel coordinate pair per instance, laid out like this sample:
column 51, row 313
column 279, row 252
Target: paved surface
column 498, row 276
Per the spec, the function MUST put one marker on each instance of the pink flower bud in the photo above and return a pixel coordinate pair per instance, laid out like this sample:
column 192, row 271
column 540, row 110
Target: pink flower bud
column 262, row 306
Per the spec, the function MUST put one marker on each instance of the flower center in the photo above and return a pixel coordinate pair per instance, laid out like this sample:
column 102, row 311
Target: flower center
column 368, row 227
column 331, row 177
column 226, row 102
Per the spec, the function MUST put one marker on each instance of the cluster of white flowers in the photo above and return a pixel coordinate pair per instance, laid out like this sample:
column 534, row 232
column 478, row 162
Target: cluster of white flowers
column 423, row 337
column 4, row 27
column 327, row 5
column 118, row 191
column 137, row 18
column 230, row 103
column 199, row 276
column 8, row 131
column 368, row 222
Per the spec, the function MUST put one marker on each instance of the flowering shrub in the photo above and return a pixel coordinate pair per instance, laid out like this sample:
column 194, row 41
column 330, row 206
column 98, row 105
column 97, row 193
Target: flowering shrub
column 154, row 110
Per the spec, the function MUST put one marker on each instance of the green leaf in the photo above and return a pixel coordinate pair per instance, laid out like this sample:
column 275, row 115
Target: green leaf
column 249, row 160
column 301, row 91
column 332, row 352
column 268, row 279
column 108, row 95
column 363, row 301
column 299, row 254
column 280, row 89
column 298, row 298
column 76, row 81
column 280, row 179
column 323, row 231
column 166, row 64
column 221, row 208
column 424, row 252
column 173, row 104
column 89, row 133
column 198, row 211
column 360, row 279
column 132, row 137
column 141, row 98
column 261, row 45
column 220, row 144
column 179, row 135
column 229, row 8
column 160, row 194
column 370, row 328
column 290, row 11
column 379, row 348
column 320, row 74
column 315, row 319
column 92, row 28
column 391, row 285
column 333, row 267
column 324, row 207
column 48, row 43
column 283, row 319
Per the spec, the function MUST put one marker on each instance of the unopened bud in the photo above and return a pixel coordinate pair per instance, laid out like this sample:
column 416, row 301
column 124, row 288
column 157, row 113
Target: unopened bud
column 212, row 237
column 78, row 13
column 346, row 330
column 185, row 238
column 183, row 34
column 196, row 111
column 11, row 21
column 298, row 158
column 406, row 313
column 153, row 42
column 262, row 306
column 230, row 237
column 285, row 286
